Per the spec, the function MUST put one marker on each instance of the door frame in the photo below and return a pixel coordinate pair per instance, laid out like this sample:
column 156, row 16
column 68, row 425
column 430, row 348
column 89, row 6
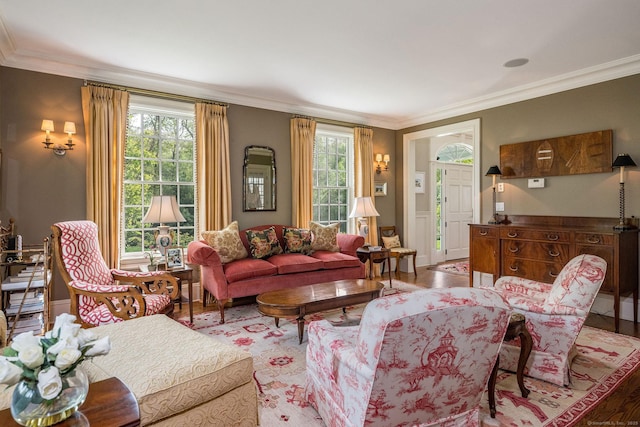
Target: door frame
column 409, row 141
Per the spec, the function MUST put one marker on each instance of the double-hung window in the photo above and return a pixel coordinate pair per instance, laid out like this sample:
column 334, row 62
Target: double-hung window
column 333, row 176
column 159, row 160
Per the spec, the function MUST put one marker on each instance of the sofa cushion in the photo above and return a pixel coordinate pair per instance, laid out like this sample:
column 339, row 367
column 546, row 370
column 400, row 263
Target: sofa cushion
column 295, row 263
column 297, row 240
column 226, row 242
column 263, row 243
column 248, row 268
column 333, row 260
column 324, row 237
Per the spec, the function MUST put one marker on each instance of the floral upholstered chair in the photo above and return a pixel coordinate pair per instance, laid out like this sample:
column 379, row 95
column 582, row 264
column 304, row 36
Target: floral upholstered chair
column 100, row 295
column 419, row 358
column 554, row 316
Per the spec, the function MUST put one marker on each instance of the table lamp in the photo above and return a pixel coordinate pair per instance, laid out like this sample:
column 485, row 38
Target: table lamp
column 493, row 172
column 620, row 162
column 363, row 209
column 163, row 209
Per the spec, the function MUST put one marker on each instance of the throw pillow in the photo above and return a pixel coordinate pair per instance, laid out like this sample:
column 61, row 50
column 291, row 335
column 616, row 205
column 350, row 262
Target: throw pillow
column 226, row 242
column 391, row 242
column 325, row 238
column 297, row 240
column 264, row 243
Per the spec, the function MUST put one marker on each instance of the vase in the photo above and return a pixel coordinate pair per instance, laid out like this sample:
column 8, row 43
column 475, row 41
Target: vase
column 28, row 408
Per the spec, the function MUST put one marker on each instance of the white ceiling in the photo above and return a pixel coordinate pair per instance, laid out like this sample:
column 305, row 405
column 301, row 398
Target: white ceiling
column 387, row 63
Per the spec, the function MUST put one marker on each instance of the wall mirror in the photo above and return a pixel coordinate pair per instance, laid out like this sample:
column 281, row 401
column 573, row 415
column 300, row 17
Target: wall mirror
column 259, row 193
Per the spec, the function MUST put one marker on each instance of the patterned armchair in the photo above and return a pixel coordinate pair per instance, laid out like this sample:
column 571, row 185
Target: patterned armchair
column 554, row 316
column 100, row 295
column 420, row 358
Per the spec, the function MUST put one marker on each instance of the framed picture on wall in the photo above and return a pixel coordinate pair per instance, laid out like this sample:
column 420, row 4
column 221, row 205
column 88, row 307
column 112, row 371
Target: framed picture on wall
column 174, row 257
column 420, row 176
column 379, row 188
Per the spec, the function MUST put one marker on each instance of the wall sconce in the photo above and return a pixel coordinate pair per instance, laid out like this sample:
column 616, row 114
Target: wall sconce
column 620, row 162
column 60, row 150
column 379, row 159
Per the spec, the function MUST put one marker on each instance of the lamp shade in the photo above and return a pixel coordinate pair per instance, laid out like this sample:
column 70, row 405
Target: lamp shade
column 363, row 208
column 47, row 125
column 378, row 157
column 623, row 160
column 69, row 127
column 493, row 170
column 163, row 209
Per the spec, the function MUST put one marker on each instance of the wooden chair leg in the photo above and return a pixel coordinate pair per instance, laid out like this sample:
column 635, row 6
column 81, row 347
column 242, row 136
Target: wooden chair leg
column 415, row 272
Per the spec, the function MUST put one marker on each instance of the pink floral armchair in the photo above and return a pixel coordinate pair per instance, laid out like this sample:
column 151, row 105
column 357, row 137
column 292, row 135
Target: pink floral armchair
column 100, row 295
column 419, row 358
column 554, row 316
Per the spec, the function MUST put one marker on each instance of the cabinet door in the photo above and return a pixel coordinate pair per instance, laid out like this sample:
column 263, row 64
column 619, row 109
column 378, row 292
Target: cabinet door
column 485, row 251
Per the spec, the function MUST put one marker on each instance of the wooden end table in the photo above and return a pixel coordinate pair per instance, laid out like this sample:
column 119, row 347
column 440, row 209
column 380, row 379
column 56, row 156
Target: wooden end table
column 109, row 403
column 365, row 254
column 517, row 328
column 302, row 300
column 184, row 273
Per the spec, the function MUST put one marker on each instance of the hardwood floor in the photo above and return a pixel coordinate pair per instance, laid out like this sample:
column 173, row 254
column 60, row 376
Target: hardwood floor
column 622, row 407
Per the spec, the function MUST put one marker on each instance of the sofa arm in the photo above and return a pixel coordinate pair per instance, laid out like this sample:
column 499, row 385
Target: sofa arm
column 349, row 243
column 212, row 276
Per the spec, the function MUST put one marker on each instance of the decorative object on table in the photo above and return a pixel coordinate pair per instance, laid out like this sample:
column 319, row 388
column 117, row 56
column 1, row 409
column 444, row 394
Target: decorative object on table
column 174, row 257
column 163, row 210
column 493, row 172
column 50, row 386
column 419, row 182
column 622, row 161
column 363, row 208
column 153, row 262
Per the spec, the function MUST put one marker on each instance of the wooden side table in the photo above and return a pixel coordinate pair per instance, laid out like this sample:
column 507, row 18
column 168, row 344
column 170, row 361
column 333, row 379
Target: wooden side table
column 184, row 273
column 109, row 403
column 382, row 255
column 517, row 328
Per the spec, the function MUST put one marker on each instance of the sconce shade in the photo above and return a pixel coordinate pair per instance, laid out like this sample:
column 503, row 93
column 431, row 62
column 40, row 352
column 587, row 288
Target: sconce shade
column 623, row 160
column 363, row 208
column 47, row 125
column 386, row 158
column 69, row 127
column 493, row 170
column 378, row 157
column 163, row 209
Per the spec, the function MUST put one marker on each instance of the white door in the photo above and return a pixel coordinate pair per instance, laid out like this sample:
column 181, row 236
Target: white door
column 458, row 209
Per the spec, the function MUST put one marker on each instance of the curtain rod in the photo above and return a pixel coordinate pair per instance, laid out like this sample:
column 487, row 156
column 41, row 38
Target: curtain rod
column 331, row 122
column 154, row 93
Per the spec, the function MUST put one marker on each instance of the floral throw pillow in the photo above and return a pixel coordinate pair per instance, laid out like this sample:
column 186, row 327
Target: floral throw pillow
column 226, row 242
column 263, row 244
column 325, row 237
column 297, row 240
column 391, row 242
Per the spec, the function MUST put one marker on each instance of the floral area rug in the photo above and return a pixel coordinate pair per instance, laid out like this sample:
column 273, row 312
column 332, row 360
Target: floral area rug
column 461, row 268
column 605, row 359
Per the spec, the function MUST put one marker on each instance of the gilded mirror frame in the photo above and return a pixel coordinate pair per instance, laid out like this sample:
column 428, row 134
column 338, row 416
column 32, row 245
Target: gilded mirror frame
column 259, row 179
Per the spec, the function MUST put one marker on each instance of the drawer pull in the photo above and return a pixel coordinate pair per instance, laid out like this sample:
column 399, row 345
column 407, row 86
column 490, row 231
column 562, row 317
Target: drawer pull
column 554, row 254
column 552, row 274
column 552, row 237
column 512, row 234
column 514, row 250
column 513, row 268
column 483, row 232
column 593, row 239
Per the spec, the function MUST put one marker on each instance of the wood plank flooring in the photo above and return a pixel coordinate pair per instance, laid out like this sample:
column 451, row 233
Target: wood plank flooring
column 622, row 407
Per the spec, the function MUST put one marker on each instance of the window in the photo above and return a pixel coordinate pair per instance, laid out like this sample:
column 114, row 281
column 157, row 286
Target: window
column 159, row 160
column 333, row 176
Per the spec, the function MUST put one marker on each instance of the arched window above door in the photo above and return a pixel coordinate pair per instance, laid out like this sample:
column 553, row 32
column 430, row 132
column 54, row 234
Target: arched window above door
column 456, row 153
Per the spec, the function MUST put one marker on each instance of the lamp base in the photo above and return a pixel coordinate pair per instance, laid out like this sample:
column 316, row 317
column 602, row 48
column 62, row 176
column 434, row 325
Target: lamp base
column 363, row 229
column 164, row 239
column 624, row 227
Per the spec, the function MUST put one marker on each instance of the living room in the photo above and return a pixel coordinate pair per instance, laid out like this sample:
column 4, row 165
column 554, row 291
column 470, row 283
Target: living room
column 39, row 189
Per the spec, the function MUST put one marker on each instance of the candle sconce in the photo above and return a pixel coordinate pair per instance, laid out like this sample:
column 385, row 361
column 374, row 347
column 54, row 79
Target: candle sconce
column 59, row 149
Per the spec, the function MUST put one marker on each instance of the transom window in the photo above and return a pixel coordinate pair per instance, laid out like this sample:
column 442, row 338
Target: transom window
column 159, row 160
column 333, row 176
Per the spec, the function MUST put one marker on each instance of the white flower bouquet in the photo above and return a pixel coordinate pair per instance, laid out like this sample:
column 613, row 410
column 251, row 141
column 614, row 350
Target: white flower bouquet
column 44, row 359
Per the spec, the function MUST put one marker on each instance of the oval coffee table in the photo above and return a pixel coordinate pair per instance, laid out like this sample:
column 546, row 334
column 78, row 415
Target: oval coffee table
column 302, row 300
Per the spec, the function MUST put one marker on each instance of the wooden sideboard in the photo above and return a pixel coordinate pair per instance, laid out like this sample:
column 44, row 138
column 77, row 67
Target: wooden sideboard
column 537, row 247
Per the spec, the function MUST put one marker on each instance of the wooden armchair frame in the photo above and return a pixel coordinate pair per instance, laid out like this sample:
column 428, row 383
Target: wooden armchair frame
column 397, row 253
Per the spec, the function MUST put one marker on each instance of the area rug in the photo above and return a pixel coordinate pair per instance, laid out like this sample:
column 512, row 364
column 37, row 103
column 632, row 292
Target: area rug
column 605, row 359
column 461, row 268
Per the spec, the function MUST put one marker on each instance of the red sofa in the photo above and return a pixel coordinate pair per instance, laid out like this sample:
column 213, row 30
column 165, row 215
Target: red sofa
column 250, row 276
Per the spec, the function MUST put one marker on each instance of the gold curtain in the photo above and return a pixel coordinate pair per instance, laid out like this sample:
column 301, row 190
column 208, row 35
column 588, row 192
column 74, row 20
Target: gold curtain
column 105, row 122
column 303, row 132
column 364, row 186
column 213, row 177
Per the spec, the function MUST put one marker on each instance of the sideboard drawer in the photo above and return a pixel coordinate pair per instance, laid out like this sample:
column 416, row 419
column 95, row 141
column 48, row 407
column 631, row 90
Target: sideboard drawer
column 542, row 235
column 530, row 269
column 550, row 252
column 479, row 231
column 594, row 239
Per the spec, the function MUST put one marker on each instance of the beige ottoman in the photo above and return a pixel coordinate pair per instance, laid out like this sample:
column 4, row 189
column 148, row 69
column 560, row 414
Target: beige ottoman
column 179, row 377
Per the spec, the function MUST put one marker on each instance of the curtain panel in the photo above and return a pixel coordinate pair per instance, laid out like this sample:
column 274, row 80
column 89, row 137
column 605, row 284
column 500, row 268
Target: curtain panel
column 303, row 133
column 213, row 177
column 105, row 122
column 364, row 185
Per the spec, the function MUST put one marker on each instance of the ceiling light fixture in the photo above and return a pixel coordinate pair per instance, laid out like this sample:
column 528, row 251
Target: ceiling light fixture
column 518, row 62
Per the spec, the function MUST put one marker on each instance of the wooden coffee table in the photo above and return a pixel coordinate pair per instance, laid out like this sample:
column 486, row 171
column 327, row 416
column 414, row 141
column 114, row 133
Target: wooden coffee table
column 302, row 300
